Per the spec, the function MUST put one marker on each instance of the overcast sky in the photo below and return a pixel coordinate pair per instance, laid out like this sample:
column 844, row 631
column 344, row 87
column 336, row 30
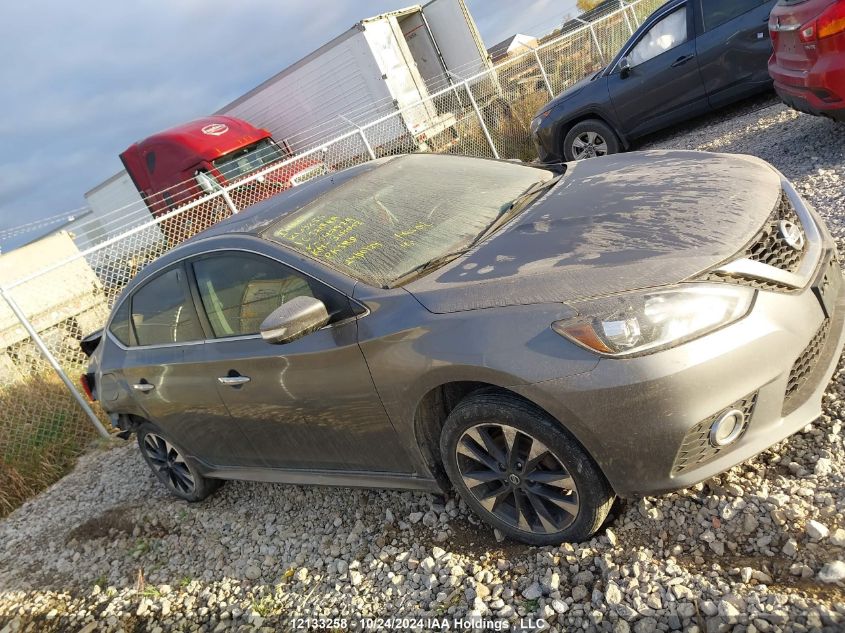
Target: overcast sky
column 83, row 80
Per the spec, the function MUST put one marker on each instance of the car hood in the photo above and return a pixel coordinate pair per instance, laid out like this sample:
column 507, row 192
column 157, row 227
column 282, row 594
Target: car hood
column 612, row 224
column 570, row 92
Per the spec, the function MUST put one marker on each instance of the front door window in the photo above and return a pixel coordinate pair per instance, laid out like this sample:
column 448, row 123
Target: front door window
column 668, row 33
column 239, row 291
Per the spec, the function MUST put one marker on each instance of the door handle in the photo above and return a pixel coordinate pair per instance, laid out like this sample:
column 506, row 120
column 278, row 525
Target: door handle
column 233, row 381
column 682, row 60
column 143, row 387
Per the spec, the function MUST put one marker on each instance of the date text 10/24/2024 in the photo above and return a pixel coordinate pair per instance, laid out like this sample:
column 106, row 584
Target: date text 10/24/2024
column 417, row 623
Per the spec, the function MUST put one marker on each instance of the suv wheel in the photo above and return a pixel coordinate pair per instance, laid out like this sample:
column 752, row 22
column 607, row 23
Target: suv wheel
column 589, row 139
column 522, row 472
column 171, row 467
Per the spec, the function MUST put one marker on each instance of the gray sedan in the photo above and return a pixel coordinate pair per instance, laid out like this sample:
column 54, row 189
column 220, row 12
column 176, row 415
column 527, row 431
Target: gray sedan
column 541, row 340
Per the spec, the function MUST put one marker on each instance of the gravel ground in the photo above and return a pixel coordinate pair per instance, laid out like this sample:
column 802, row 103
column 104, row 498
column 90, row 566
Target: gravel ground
column 761, row 548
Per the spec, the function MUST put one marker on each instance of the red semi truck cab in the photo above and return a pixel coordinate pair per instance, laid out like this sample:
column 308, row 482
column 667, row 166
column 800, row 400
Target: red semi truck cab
column 183, row 163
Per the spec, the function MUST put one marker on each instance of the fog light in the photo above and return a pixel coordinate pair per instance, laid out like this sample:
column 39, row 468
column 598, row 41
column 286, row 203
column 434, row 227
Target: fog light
column 727, row 428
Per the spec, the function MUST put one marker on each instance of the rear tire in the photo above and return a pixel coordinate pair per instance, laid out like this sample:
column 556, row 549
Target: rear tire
column 171, row 467
column 590, row 139
column 522, row 472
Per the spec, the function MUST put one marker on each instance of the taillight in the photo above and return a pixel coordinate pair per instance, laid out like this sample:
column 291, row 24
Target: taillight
column 807, row 33
column 832, row 21
column 85, row 380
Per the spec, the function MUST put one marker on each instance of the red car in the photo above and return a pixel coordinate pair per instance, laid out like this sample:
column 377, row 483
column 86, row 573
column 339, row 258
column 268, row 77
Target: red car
column 808, row 63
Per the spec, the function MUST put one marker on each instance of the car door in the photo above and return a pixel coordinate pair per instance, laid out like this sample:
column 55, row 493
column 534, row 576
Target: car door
column 164, row 369
column 307, row 404
column 733, row 47
column 663, row 85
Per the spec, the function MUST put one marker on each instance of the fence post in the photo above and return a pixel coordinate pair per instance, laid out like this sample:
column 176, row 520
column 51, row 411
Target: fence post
column 452, row 77
column 229, row 202
column 624, row 9
column 39, row 342
column 362, row 135
column 595, row 39
column 543, row 72
column 367, row 144
column 481, row 121
column 634, row 14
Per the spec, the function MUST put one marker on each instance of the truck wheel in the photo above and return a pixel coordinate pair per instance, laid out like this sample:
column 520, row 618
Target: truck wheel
column 589, row 139
column 171, row 467
column 522, row 472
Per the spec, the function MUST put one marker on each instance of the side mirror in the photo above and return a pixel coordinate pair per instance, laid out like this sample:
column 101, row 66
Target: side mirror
column 294, row 319
column 624, row 67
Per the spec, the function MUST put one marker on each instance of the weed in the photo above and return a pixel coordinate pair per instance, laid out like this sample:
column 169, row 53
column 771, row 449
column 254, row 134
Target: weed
column 531, row 605
column 42, row 432
column 142, row 546
column 264, row 606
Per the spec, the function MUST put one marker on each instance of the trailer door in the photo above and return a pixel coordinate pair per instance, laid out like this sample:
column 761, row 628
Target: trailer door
column 457, row 37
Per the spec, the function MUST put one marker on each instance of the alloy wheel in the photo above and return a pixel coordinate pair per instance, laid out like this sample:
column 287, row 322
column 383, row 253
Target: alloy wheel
column 589, row 145
column 517, row 478
column 169, row 463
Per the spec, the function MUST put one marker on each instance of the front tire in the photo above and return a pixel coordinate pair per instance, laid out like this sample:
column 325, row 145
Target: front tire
column 590, row 139
column 171, row 467
column 522, row 472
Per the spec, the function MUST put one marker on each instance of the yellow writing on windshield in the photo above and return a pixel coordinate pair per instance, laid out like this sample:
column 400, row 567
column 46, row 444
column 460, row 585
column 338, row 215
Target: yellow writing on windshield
column 322, row 236
column 362, row 252
column 336, row 237
column 404, row 236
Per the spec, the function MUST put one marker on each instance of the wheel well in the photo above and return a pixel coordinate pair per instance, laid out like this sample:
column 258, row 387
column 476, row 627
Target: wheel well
column 564, row 130
column 128, row 423
column 431, row 414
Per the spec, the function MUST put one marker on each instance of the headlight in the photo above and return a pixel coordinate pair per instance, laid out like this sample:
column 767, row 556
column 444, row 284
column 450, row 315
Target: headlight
column 537, row 120
column 642, row 322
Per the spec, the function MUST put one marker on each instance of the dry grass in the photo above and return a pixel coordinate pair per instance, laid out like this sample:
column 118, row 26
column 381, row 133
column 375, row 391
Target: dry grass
column 42, row 431
column 513, row 129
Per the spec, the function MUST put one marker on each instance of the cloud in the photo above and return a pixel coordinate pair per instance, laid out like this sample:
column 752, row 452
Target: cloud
column 84, row 81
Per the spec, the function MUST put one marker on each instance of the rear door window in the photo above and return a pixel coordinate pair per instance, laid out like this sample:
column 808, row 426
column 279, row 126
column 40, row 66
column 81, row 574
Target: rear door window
column 119, row 326
column 163, row 311
column 717, row 12
column 239, row 290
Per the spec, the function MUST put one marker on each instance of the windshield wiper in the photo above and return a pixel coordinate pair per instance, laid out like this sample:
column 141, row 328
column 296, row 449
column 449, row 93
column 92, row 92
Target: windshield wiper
column 418, row 271
column 519, row 203
column 507, row 212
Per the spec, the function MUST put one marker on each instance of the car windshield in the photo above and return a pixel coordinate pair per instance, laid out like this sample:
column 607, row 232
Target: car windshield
column 412, row 210
column 247, row 159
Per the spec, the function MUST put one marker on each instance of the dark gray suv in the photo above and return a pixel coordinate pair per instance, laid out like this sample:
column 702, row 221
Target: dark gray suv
column 540, row 340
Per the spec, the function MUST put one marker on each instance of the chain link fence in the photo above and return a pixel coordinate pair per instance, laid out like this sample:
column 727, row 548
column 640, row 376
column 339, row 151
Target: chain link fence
column 45, row 310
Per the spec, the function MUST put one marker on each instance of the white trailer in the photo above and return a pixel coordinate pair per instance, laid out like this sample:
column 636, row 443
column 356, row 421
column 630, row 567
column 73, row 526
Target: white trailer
column 444, row 42
column 115, row 206
column 381, row 65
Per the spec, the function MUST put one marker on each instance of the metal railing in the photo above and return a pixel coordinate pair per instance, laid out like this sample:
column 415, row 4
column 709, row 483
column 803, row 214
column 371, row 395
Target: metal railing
column 45, row 418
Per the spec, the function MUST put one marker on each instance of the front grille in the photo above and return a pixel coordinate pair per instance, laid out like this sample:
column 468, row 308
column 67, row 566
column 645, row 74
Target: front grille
column 803, row 367
column 759, row 284
column 768, row 247
column 696, row 448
